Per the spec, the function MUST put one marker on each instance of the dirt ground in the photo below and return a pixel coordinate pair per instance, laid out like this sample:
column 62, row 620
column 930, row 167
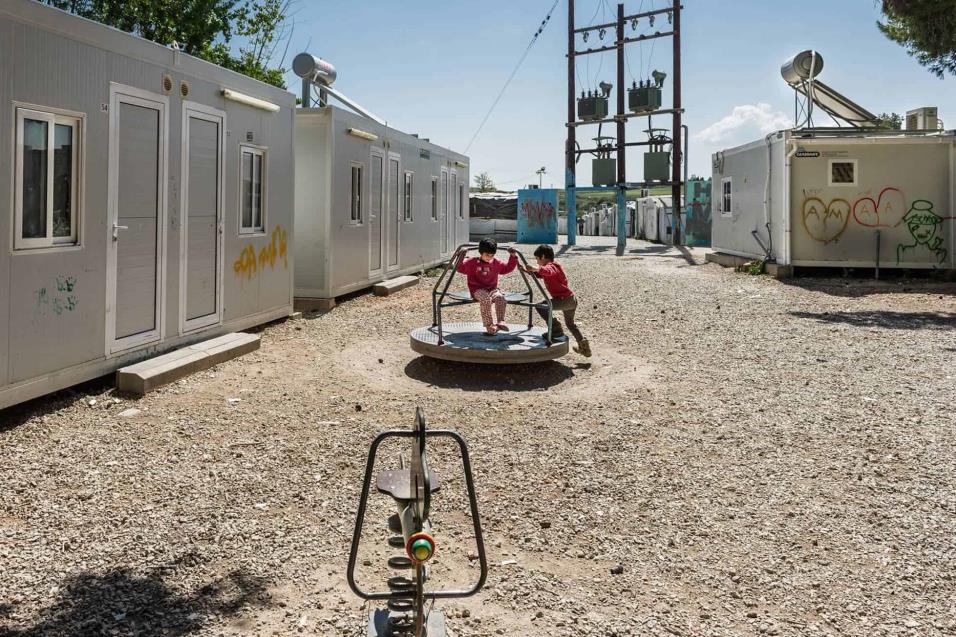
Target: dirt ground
column 741, row 456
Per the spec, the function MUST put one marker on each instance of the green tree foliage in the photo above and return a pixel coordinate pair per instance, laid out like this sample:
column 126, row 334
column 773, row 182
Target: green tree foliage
column 203, row 28
column 484, row 183
column 927, row 28
column 892, row 121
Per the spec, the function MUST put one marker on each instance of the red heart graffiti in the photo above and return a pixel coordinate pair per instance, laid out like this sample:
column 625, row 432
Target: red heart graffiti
column 879, row 214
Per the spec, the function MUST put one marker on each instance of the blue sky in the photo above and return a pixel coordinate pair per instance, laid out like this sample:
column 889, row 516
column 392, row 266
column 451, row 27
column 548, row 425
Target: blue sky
column 434, row 68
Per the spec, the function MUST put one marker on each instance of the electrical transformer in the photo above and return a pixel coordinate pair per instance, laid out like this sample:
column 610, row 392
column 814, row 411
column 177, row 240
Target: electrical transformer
column 641, row 99
column 657, row 166
column 604, row 171
column 592, row 107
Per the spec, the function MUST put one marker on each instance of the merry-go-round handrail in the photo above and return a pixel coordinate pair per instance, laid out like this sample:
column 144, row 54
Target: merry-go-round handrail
column 438, row 296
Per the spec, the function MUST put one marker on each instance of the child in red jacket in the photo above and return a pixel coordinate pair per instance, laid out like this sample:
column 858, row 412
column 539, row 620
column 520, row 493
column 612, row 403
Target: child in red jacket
column 562, row 298
column 482, row 272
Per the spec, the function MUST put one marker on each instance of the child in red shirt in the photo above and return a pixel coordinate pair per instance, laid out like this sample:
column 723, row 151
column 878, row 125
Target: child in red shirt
column 482, row 272
column 562, row 298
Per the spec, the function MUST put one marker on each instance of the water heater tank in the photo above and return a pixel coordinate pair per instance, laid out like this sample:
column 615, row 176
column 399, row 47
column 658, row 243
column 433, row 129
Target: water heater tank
column 801, row 67
column 314, row 69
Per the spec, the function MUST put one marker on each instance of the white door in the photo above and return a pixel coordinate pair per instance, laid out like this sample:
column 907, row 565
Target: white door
column 446, row 245
column 201, row 227
column 376, row 238
column 453, row 209
column 394, row 208
column 137, row 216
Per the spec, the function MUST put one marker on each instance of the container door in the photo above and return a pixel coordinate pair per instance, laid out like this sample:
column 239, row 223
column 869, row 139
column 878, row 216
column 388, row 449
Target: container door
column 377, row 190
column 202, row 217
column 443, row 213
column 453, row 210
column 394, row 208
column 137, row 211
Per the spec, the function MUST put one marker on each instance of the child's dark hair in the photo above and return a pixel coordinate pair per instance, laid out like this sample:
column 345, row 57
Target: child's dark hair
column 487, row 246
column 544, row 251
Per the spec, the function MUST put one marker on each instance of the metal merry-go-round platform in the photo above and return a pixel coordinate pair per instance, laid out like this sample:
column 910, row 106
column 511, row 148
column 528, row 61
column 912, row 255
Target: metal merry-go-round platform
column 467, row 342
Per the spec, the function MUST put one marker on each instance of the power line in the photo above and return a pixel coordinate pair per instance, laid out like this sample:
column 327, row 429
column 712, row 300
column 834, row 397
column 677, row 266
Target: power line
column 534, row 39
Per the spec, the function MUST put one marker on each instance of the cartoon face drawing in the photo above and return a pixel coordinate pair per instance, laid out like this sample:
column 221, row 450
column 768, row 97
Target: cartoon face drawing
column 922, row 222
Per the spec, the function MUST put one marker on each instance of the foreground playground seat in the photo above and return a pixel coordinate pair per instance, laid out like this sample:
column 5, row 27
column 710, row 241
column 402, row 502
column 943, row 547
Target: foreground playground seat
column 467, row 342
column 411, row 487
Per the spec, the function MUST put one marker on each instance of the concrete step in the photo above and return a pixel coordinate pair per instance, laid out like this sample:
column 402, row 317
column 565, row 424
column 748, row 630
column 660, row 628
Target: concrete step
column 147, row 375
column 392, row 286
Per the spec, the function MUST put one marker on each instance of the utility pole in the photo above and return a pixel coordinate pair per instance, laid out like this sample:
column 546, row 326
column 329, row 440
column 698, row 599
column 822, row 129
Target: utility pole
column 621, row 172
column 677, row 156
column 570, row 157
column 644, row 102
column 541, row 171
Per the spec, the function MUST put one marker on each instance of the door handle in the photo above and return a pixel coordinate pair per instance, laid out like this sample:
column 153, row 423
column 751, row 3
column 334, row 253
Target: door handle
column 116, row 229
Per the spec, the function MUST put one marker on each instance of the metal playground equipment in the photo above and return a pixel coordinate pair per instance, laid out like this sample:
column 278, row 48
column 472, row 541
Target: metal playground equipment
column 412, row 487
column 467, row 341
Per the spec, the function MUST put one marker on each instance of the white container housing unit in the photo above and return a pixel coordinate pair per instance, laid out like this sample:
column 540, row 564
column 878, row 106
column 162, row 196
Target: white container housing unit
column 147, row 200
column 838, row 198
column 371, row 203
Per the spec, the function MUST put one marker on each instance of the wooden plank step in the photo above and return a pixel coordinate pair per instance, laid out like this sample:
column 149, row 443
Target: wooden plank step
column 145, row 376
column 391, row 286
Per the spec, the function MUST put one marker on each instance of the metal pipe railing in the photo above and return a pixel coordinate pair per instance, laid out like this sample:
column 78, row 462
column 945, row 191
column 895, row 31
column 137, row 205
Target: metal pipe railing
column 438, row 297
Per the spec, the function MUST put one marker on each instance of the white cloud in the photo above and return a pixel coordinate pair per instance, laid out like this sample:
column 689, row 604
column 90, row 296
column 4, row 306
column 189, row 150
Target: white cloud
column 760, row 116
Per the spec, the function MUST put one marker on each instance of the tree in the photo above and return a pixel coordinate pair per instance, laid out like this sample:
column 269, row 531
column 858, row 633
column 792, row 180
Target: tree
column 893, row 121
column 203, row 28
column 484, row 183
column 927, row 28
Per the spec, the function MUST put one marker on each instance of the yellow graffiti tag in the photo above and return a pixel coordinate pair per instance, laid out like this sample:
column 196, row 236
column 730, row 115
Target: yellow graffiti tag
column 248, row 265
column 275, row 249
column 245, row 265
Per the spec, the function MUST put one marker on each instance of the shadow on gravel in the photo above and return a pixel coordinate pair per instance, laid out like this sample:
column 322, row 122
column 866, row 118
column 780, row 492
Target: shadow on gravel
column 124, row 603
column 14, row 416
column 857, row 288
column 477, row 377
column 891, row 320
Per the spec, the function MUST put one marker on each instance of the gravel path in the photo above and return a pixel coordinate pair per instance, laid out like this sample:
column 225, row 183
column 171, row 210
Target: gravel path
column 742, row 456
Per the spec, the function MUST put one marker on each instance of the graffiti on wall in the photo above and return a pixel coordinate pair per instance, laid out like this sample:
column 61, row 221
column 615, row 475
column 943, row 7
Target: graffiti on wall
column 61, row 300
column 925, row 228
column 921, row 228
column 825, row 221
column 539, row 214
column 886, row 211
column 248, row 264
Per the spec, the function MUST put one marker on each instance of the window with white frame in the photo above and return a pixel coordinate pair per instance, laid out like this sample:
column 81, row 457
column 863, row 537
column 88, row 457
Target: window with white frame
column 727, row 196
column 47, row 179
column 434, row 198
column 843, row 172
column 252, row 181
column 355, row 198
column 409, row 183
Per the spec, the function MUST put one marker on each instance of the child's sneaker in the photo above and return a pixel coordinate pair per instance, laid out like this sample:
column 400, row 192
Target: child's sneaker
column 583, row 348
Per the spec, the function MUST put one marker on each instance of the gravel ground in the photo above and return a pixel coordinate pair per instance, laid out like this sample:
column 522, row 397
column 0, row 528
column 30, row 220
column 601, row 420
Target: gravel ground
column 742, row 456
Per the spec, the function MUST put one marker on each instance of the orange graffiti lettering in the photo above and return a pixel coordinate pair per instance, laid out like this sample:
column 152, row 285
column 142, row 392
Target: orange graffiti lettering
column 245, row 265
column 276, row 249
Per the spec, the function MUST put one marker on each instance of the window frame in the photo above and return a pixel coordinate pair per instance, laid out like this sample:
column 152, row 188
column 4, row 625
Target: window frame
column 838, row 184
column 436, row 189
column 353, row 219
column 52, row 117
column 461, row 200
column 408, row 196
column 263, row 152
column 728, row 210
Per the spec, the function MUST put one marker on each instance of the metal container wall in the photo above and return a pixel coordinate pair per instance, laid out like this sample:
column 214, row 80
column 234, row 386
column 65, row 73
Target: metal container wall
column 57, row 329
column 336, row 255
column 900, row 187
